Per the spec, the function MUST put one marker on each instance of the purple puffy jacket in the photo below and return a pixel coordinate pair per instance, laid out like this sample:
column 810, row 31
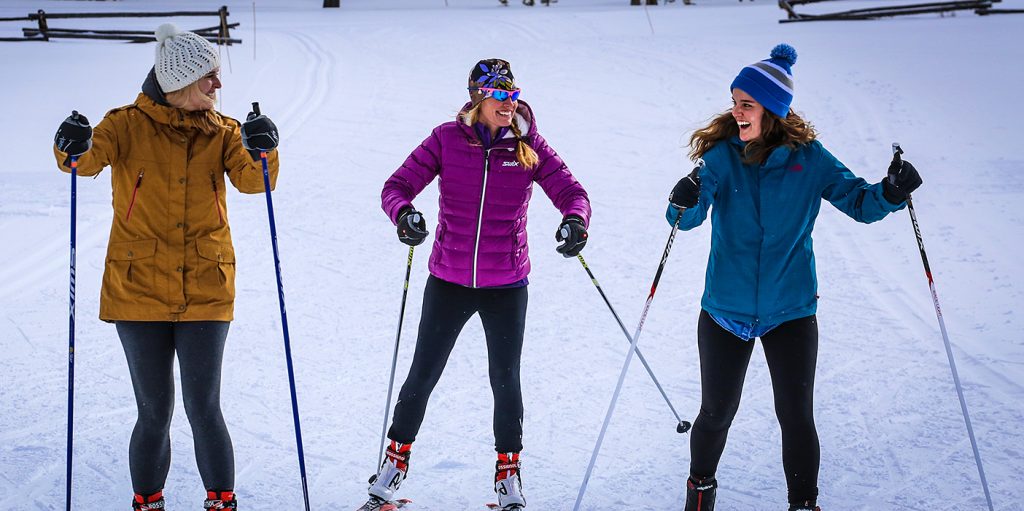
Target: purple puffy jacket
column 480, row 240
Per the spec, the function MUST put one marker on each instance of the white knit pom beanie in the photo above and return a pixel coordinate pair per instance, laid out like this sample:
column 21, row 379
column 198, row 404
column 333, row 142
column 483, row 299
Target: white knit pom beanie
column 182, row 58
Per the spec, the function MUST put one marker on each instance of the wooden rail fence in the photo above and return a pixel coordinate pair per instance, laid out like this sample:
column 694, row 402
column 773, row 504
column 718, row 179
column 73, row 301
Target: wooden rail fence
column 981, row 7
column 219, row 34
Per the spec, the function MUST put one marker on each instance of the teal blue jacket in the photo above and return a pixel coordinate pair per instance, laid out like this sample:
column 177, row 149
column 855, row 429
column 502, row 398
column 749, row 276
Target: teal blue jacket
column 761, row 266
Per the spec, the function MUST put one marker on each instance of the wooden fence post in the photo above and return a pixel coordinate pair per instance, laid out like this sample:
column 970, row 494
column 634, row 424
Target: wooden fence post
column 43, row 29
column 223, row 34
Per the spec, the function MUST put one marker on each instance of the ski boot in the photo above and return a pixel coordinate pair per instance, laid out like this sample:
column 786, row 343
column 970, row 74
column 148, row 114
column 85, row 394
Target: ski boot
column 148, row 502
column 220, row 500
column 807, row 505
column 700, row 494
column 508, row 483
column 388, row 479
column 379, row 504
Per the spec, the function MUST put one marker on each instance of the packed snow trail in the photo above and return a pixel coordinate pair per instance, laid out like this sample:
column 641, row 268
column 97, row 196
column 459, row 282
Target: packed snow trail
column 355, row 89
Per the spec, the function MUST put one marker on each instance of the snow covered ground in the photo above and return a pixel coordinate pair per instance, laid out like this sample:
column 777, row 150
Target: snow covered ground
column 355, row 89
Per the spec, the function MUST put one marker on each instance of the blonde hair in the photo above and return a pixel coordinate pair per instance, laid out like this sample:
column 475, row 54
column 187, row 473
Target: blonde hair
column 775, row 132
column 524, row 153
column 190, row 94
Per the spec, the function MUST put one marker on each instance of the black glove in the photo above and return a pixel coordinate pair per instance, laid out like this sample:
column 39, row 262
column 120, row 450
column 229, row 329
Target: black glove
column 686, row 192
column 573, row 235
column 74, row 136
column 412, row 228
column 901, row 181
column 259, row 134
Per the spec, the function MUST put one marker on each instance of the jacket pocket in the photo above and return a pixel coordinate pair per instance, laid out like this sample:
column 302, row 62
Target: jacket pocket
column 216, row 269
column 131, row 265
column 435, row 253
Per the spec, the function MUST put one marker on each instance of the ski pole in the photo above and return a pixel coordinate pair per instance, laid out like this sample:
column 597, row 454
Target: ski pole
column 394, row 357
column 682, row 426
column 71, row 332
column 629, row 358
column 896, row 159
column 284, row 320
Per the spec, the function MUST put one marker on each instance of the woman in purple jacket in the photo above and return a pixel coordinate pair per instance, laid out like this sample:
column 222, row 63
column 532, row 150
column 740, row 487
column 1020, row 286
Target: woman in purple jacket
column 486, row 162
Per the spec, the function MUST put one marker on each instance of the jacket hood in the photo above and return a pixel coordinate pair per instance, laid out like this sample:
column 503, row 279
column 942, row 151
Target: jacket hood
column 777, row 158
column 206, row 121
column 151, row 88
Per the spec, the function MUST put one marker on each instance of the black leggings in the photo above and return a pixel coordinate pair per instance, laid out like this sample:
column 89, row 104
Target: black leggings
column 791, row 350
column 446, row 309
column 150, row 348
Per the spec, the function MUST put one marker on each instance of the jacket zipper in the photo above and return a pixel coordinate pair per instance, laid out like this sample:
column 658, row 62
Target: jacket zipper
column 480, row 216
column 135, row 191
column 216, row 198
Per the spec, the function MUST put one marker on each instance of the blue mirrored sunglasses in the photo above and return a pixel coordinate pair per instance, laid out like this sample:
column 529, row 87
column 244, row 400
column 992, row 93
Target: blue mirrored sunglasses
column 498, row 94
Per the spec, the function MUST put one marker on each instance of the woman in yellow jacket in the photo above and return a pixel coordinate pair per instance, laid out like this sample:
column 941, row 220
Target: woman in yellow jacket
column 169, row 279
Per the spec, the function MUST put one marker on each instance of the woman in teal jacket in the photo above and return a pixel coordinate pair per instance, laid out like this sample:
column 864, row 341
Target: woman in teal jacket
column 763, row 179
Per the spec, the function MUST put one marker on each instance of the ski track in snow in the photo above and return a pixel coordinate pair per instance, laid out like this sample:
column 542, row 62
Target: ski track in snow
column 354, row 90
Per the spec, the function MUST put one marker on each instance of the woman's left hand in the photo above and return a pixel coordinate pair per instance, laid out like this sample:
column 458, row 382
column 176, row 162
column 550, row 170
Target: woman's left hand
column 901, row 181
column 573, row 235
column 259, row 133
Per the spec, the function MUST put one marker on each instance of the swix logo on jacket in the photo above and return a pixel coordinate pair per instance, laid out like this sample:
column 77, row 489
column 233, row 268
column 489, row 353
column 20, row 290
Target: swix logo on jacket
column 510, row 164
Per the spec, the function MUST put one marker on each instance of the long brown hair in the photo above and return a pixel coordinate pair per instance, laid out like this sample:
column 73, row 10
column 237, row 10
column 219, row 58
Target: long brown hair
column 775, row 132
column 524, row 153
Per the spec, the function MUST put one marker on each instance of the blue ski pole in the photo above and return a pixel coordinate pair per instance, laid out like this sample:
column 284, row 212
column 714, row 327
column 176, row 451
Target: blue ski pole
column 284, row 320
column 71, row 333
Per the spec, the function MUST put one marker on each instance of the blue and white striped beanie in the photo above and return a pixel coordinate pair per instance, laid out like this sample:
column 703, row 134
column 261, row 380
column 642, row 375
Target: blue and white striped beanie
column 770, row 82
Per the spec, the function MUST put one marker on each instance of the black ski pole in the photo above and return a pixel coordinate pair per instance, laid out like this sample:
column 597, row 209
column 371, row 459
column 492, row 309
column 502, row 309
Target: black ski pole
column 394, row 358
column 683, row 426
column 896, row 159
column 71, row 332
column 625, row 365
column 284, row 320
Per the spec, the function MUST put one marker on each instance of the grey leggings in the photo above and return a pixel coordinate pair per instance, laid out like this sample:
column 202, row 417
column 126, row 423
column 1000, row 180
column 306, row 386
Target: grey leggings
column 150, row 348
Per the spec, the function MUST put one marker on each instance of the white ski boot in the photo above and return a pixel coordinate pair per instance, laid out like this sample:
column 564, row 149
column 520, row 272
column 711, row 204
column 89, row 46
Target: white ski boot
column 389, row 478
column 507, row 482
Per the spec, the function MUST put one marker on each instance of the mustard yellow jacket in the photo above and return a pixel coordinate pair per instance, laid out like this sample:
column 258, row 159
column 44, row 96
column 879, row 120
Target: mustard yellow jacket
column 170, row 256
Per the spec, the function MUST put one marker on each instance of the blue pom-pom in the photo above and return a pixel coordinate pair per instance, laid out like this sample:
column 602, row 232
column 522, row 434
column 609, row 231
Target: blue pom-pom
column 785, row 52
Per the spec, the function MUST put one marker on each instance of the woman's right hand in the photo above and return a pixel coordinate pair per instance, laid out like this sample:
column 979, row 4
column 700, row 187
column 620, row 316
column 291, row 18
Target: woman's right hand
column 412, row 228
column 74, row 136
column 686, row 193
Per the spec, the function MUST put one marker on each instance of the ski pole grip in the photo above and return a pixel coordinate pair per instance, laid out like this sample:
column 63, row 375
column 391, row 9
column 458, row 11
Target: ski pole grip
column 256, row 108
column 896, row 159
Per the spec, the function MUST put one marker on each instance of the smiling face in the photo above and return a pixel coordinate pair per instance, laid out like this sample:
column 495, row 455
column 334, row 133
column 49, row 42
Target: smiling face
column 497, row 114
column 748, row 114
column 201, row 95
